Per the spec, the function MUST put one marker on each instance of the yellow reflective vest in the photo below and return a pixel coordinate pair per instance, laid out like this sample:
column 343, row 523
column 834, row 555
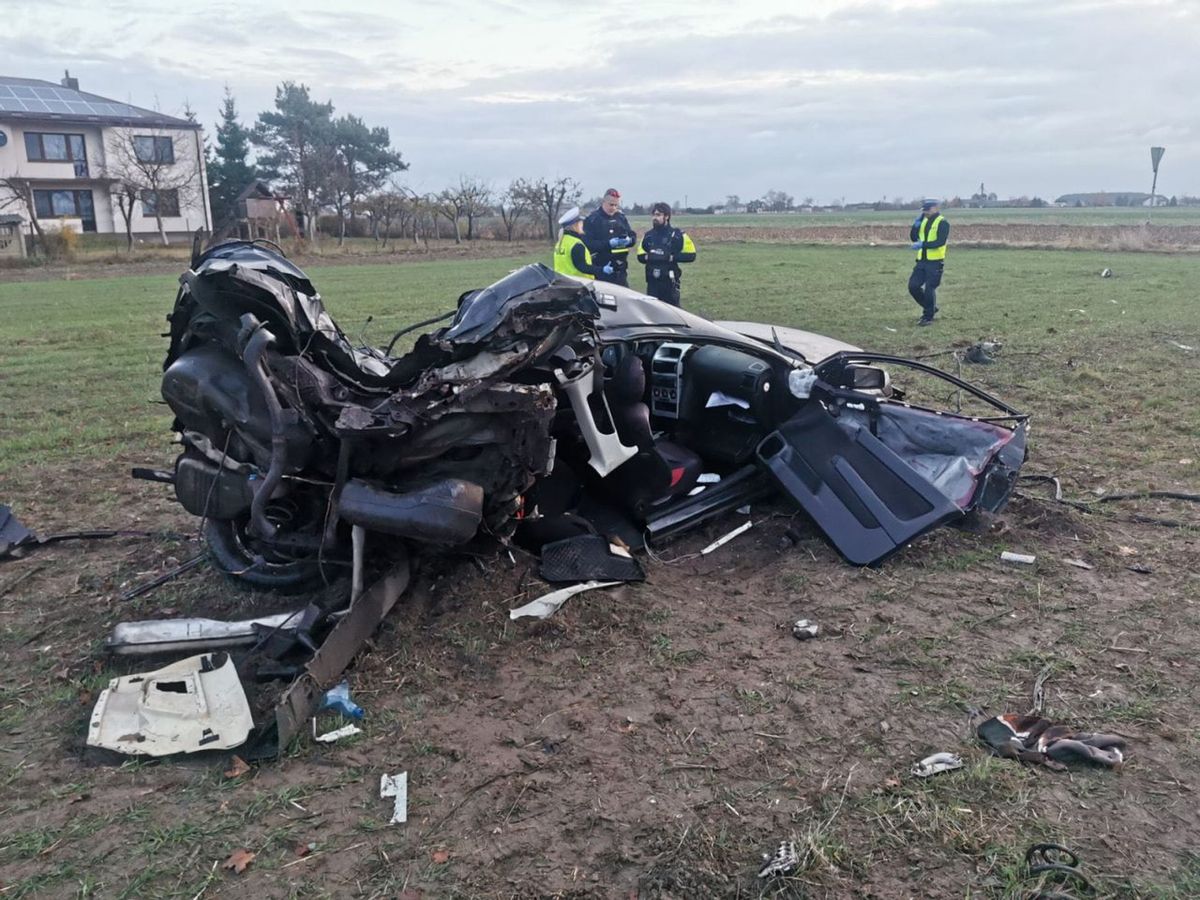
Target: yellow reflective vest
column 929, row 231
column 562, row 255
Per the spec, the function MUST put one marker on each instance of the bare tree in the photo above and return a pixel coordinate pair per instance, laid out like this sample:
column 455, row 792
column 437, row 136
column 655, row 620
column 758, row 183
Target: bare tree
column 547, row 198
column 18, row 191
column 475, row 197
column 449, row 205
column 125, row 194
column 146, row 162
column 387, row 208
column 512, row 206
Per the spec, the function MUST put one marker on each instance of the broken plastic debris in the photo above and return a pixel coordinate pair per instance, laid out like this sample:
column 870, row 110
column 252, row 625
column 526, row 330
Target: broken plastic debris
column 939, row 762
column 396, row 786
column 338, row 698
column 800, row 383
column 708, row 478
column 194, row 704
column 338, row 733
column 1023, row 558
column 783, row 862
column 722, row 541
column 720, row 398
column 547, row 604
column 168, row 635
column 804, row 630
column 744, row 510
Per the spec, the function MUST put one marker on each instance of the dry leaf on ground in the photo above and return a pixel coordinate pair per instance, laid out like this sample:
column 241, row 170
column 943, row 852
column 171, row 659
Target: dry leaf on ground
column 238, row 860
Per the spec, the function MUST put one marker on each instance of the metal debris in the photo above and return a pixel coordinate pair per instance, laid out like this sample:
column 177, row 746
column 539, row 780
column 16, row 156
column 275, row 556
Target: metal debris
column 785, row 861
column 804, row 630
column 936, row 764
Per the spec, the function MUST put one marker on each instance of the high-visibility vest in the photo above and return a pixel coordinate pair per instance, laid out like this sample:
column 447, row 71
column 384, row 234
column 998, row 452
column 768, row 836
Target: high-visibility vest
column 929, row 230
column 562, row 255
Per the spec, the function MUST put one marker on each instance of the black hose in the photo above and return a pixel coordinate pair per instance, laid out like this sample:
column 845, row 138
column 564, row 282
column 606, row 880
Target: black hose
column 403, row 331
column 260, row 339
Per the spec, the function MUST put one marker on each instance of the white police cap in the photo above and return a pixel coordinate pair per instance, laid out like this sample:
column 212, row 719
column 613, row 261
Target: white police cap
column 570, row 216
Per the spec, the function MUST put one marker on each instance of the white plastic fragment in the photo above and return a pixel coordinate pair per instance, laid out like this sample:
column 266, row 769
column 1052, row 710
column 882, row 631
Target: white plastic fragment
column 194, row 704
column 722, row 541
column 804, row 630
column 1023, row 558
column 395, row 786
column 939, row 762
column 547, row 604
column 338, row 733
column 744, row 510
column 708, row 478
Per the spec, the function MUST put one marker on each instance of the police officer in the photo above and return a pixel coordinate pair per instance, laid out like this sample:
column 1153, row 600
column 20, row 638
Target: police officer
column 662, row 249
column 609, row 237
column 929, row 234
column 571, row 255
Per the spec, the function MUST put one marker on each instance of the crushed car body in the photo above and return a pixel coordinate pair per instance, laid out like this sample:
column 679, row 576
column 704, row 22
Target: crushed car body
column 547, row 408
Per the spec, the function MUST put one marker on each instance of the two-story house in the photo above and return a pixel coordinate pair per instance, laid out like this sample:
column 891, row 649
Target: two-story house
column 75, row 152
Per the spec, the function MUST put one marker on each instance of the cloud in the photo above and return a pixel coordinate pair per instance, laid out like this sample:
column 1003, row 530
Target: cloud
column 857, row 98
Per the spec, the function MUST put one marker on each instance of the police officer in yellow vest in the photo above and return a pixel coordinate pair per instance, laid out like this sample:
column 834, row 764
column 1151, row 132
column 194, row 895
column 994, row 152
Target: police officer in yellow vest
column 571, row 254
column 929, row 234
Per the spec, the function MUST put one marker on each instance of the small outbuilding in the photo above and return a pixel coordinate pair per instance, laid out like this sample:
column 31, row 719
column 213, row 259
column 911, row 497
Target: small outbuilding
column 12, row 239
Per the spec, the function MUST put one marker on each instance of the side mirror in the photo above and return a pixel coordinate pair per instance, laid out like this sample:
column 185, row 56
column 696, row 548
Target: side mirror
column 865, row 378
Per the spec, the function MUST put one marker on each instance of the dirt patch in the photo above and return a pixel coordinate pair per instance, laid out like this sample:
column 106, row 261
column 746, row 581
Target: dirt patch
column 650, row 740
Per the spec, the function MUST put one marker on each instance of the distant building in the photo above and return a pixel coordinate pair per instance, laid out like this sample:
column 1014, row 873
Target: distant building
column 260, row 212
column 56, row 140
column 12, row 242
column 1110, row 198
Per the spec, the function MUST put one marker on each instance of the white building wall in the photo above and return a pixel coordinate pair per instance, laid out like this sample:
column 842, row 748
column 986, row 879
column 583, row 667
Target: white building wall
column 193, row 212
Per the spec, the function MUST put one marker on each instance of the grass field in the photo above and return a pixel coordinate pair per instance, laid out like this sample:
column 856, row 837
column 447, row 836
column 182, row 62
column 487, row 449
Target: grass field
column 653, row 740
column 1109, row 215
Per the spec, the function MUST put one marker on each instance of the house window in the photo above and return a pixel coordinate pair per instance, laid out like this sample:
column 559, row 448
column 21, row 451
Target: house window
column 153, row 149
column 56, row 204
column 165, row 203
column 47, row 147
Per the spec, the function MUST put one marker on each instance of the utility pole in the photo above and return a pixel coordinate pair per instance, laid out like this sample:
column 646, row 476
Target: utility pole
column 1156, row 155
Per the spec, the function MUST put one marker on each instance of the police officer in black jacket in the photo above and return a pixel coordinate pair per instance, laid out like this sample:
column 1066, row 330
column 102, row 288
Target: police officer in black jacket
column 662, row 249
column 609, row 237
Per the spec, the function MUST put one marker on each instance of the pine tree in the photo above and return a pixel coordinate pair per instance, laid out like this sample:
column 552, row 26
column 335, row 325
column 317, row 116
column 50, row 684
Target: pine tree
column 229, row 168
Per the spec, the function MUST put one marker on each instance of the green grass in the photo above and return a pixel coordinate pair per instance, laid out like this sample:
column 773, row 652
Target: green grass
column 80, row 360
column 1112, row 215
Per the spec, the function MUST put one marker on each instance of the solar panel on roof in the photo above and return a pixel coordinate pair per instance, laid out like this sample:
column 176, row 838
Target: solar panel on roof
column 5, row 91
column 19, row 90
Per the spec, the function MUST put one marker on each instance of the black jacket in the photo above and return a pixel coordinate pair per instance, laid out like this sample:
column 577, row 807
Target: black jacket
column 599, row 228
column 662, row 249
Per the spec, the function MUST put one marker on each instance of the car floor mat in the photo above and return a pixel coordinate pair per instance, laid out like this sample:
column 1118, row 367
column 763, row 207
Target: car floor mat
column 588, row 557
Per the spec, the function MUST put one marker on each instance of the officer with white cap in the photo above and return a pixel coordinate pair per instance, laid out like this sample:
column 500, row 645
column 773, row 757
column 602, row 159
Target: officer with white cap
column 571, row 254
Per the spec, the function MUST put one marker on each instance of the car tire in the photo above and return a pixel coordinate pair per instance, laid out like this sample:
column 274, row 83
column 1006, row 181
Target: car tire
column 237, row 562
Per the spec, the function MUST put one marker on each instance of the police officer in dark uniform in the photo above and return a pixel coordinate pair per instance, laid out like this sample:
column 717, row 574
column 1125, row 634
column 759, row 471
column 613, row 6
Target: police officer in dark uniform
column 929, row 234
column 662, row 249
column 609, row 237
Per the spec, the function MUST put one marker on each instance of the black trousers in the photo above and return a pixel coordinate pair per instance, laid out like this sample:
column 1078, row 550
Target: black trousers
column 664, row 290
column 923, row 284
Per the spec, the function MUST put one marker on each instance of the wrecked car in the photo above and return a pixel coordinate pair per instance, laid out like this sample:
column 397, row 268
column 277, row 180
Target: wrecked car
column 547, row 407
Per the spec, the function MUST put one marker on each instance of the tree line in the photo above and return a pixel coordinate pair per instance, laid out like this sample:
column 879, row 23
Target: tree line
column 341, row 177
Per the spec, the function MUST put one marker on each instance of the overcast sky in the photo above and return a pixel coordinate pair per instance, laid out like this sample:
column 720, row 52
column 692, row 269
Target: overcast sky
column 682, row 98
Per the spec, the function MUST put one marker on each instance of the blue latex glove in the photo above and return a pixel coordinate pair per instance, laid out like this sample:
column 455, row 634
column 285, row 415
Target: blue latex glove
column 616, row 242
column 918, row 245
column 608, row 269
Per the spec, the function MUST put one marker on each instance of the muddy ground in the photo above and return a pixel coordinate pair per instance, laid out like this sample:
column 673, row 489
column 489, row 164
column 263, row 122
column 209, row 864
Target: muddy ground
column 646, row 741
